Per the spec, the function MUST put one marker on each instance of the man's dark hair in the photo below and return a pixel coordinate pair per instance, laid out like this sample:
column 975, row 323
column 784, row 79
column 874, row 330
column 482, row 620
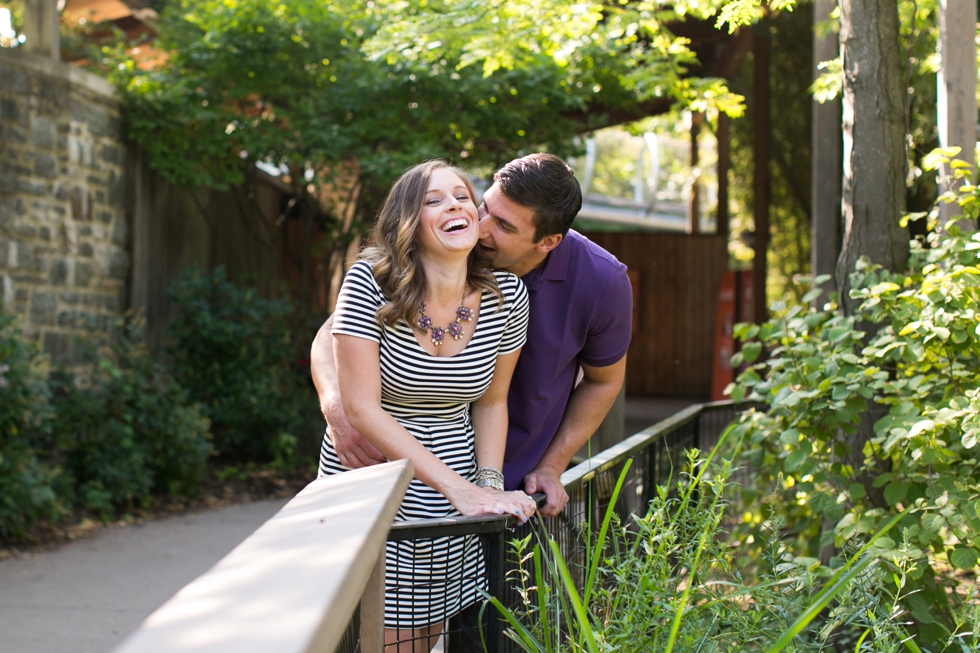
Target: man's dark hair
column 545, row 184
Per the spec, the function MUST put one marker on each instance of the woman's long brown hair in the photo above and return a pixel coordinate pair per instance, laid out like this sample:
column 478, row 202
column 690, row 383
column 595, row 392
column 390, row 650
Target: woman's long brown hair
column 394, row 252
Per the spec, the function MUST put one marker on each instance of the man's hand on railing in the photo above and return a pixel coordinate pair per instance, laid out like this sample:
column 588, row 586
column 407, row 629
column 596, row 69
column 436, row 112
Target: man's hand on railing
column 548, row 480
column 352, row 449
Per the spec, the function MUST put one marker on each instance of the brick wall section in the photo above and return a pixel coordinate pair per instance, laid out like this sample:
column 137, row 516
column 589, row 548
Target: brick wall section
column 64, row 260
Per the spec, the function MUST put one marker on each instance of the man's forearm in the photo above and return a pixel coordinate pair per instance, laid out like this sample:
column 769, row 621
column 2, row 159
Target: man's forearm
column 322, row 366
column 351, row 448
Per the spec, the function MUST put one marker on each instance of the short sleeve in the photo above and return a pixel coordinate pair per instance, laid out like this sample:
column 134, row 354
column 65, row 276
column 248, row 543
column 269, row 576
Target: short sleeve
column 358, row 303
column 515, row 330
column 612, row 324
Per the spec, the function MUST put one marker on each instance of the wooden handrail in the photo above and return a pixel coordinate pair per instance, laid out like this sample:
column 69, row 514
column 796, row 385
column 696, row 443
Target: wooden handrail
column 292, row 586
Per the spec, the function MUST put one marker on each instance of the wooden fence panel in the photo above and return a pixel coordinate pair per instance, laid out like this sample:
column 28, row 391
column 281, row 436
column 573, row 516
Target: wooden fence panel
column 676, row 279
column 170, row 233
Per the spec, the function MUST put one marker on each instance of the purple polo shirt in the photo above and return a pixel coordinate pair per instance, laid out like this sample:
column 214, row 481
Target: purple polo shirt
column 581, row 311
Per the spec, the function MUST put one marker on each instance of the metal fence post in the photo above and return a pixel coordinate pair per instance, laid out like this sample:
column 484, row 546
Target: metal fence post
column 650, row 481
column 696, row 440
column 495, row 582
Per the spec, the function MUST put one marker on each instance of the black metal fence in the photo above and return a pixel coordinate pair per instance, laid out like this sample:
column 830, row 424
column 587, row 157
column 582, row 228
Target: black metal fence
column 657, row 453
column 350, row 642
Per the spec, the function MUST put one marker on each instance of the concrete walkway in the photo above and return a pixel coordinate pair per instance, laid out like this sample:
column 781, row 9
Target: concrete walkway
column 86, row 596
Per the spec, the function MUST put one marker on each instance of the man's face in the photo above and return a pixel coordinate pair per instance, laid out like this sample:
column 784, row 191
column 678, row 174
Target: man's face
column 507, row 233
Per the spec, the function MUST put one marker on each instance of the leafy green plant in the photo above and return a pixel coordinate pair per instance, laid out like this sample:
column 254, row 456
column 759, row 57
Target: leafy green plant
column 313, row 86
column 28, row 485
column 872, row 414
column 342, row 97
column 232, row 352
column 132, row 433
column 666, row 583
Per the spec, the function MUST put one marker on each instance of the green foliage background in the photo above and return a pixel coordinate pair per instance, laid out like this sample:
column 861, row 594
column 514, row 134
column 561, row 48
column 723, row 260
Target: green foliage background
column 133, row 434
column 907, row 365
column 27, row 483
column 107, row 439
column 232, row 351
column 667, row 580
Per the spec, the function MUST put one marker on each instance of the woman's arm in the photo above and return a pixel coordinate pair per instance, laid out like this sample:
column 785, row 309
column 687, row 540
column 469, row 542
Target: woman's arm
column 361, row 397
column 490, row 414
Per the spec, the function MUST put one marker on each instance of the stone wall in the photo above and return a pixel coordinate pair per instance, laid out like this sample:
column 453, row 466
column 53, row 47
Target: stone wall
column 64, row 261
column 88, row 230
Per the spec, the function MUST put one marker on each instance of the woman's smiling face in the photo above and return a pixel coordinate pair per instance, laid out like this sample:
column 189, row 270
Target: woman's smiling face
column 449, row 221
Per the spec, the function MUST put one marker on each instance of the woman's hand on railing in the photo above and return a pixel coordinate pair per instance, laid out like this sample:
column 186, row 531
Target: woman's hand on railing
column 475, row 500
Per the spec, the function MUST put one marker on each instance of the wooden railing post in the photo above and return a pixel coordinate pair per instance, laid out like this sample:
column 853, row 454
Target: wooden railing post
column 373, row 610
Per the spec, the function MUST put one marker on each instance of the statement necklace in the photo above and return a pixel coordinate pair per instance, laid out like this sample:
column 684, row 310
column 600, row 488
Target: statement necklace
column 455, row 329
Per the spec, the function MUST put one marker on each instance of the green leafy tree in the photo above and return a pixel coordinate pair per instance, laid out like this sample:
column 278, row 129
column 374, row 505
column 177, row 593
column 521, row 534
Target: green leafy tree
column 617, row 61
column 344, row 96
column 313, row 85
column 908, row 356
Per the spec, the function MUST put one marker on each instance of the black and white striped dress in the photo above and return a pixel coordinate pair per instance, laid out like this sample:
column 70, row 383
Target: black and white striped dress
column 428, row 581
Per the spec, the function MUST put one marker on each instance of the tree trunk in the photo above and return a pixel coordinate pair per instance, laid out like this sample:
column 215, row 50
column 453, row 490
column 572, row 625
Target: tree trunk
column 873, row 188
column 873, row 193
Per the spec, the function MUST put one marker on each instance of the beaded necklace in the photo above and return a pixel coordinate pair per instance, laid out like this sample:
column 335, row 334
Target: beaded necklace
column 455, row 329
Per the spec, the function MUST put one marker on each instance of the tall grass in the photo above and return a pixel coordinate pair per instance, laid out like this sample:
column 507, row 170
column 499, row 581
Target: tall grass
column 664, row 582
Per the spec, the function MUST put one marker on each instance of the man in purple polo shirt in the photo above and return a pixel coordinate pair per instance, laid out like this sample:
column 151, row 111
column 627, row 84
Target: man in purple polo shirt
column 581, row 318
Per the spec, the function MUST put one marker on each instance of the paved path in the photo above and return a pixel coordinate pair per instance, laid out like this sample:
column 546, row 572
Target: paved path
column 86, row 596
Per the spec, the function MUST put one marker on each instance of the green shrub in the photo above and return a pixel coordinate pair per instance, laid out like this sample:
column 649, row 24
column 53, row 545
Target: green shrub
column 134, row 433
column 27, row 484
column 876, row 413
column 233, row 353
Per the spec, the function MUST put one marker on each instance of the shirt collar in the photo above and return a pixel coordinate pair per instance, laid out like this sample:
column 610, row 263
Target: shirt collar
column 555, row 267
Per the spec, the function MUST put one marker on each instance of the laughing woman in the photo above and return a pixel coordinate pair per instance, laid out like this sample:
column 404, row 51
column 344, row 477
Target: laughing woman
column 426, row 337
